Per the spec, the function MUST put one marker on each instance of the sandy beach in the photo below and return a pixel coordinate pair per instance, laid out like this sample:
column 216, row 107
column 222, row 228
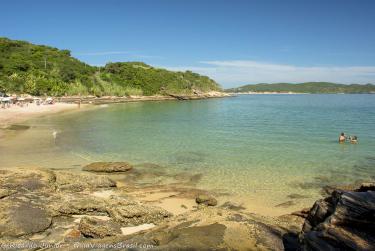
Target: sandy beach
column 17, row 114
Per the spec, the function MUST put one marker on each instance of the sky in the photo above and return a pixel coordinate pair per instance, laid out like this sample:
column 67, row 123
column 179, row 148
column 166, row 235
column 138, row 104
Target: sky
column 234, row 42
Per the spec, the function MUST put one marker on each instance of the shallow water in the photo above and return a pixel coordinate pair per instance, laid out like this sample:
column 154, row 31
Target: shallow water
column 262, row 149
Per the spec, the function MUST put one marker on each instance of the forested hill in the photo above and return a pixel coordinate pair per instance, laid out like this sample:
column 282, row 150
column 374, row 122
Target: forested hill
column 309, row 87
column 39, row 70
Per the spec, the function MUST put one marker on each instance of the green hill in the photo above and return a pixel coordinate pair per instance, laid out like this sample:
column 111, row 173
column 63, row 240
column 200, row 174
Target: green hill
column 309, row 87
column 39, row 70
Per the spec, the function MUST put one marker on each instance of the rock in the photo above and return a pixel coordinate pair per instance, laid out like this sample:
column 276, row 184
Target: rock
column 207, row 237
column 206, row 200
column 288, row 203
column 18, row 127
column 96, row 228
column 302, row 213
column 6, row 192
column 108, row 167
column 30, row 179
column 73, row 234
column 121, row 210
column 233, row 206
column 132, row 213
column 297, row 196
column 343, row 221
column 86, row 205
column 76, row 182
column 368, row 186
column 21, row 219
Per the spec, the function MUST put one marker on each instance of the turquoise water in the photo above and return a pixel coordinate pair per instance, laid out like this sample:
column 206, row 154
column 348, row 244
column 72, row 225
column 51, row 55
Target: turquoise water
column 263, row 147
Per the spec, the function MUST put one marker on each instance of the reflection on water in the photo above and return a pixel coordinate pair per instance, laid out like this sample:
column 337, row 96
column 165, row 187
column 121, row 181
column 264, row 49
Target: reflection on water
column 268, row 149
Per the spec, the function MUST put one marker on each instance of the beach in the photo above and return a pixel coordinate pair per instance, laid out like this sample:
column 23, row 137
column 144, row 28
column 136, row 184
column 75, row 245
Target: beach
column 139, row 171
column 17, row 114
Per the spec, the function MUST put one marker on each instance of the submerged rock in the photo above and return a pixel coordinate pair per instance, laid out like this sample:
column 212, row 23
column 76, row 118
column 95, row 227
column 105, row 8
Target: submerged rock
column 208, row 237
column 205, row 199
column 108, row 167
column 233, row 206
column 18, row 127
column 343, row 221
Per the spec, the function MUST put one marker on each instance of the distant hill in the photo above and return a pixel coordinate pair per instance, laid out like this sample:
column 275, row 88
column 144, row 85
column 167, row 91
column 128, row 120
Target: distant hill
column 309, row 87
column 39, row 70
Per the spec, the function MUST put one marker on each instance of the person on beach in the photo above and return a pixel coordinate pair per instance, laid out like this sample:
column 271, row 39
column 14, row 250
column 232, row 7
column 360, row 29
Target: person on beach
column 342, row 138
column 54, row 135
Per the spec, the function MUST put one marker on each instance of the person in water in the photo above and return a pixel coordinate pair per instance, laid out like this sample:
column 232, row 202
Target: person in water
column 353, row 139
column 342, row 138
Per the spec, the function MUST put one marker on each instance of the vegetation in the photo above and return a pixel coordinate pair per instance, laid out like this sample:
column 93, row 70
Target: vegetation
column 44, row 70
column 310, row 87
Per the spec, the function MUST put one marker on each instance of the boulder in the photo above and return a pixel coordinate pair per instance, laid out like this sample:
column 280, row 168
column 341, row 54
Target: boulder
column 96, row 228
column 205, row 199
column 108, row 167
column 343, row 221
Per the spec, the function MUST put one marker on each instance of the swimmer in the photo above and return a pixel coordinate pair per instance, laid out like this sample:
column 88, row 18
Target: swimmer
column 353, row 139
column 342, row 138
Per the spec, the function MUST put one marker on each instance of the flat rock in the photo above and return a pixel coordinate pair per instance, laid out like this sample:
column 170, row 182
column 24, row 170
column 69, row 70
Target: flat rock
column 80, row 204
column 108, row 167
column 22, row 219
column 30, row 179
column 96, row 228
column 207, row 237
column 73, row 182
column 133, row 214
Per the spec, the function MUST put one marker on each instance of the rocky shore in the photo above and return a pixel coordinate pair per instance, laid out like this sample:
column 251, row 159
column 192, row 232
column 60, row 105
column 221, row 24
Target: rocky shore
column 112, row 205
column 167, row 96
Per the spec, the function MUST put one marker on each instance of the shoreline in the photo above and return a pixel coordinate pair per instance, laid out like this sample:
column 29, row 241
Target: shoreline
column 116, row 99
column 17, row 114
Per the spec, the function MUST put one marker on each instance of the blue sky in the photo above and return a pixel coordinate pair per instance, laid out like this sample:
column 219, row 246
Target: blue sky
column 234, row 42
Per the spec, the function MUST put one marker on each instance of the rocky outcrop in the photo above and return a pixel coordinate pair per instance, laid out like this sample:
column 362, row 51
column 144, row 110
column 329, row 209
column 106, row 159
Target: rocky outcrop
column 34, row 201
column 343, row 221
column 55, row 206
column 108, row 167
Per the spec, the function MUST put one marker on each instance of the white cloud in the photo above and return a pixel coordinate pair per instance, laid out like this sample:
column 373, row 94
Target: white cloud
column 238, row 72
